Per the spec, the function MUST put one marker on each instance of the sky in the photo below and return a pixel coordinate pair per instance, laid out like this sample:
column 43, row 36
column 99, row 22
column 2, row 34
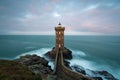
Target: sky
column 79, row 17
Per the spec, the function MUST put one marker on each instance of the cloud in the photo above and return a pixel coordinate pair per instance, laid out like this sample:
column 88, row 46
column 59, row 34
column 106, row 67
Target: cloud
column 41, row 16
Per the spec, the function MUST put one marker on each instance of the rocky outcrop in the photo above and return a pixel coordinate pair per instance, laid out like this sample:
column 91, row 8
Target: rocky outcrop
column 67, row 54
column 97, row 75
column 36, row 64
column 39, row 65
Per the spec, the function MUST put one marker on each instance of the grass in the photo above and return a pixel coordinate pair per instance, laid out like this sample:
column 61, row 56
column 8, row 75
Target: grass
column 11, row 70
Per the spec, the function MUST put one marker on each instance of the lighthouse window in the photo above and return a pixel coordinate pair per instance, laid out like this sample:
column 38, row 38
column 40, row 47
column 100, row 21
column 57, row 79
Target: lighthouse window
column 59, row 32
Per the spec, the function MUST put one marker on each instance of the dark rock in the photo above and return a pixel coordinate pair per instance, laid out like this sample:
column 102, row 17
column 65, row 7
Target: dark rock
column 91, row 73
column 106, row 75
column 39, row 69
column 97, row 78
column 67, row 54
column 67, row 64
column 36, row 64
column 50, row 54
column 79, row 69
column 32, row 59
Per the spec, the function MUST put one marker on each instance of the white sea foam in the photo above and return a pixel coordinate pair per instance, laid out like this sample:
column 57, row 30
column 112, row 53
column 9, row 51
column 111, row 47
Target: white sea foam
column 51, row 64
column 78, row 59
column 78, row 53
column 81, row 62
column 39, row 52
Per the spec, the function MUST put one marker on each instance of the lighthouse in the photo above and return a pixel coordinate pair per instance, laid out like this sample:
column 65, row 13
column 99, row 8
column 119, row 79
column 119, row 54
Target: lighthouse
column 59, row 33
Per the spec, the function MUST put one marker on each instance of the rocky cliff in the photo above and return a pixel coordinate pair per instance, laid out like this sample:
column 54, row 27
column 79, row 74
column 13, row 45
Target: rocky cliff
column 33, row 67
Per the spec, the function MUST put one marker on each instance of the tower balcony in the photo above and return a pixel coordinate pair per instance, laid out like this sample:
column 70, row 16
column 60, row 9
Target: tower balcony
column 59, row 28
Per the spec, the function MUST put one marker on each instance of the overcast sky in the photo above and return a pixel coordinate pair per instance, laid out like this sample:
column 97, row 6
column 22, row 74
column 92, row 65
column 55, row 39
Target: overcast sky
column 78, row 16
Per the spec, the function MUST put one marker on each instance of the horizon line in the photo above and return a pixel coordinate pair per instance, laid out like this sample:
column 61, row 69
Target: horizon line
column 64, row 35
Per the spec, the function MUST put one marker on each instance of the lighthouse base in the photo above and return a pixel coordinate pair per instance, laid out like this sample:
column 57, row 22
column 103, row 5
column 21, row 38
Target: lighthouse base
column 67, row 54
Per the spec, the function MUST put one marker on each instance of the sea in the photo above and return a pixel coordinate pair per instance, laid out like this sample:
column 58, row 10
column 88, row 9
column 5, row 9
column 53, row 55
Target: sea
column 91, row 52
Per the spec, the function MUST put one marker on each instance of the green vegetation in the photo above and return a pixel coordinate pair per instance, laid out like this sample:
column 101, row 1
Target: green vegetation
column 11, row 70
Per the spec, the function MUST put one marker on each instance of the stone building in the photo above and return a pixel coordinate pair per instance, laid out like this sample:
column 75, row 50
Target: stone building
column 59, row 31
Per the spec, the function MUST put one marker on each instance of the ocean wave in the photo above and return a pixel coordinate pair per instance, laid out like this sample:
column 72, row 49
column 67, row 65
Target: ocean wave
column 30, row 47
column 78, row 53
column 39, row 52
column 81, row 62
